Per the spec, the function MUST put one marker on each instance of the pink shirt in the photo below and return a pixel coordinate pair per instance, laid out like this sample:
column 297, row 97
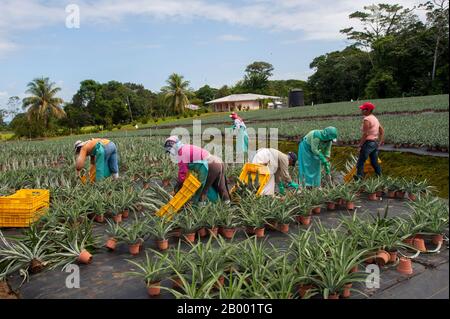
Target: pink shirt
column 189, row 154
column 374, row 127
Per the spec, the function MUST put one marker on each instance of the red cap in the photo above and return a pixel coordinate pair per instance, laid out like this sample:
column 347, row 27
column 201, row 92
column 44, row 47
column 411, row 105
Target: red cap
column 367, row 106
column 233, row 115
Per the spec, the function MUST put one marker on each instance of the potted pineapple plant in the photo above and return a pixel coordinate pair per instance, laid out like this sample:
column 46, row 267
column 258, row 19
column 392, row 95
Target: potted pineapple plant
column 153, row 271
column 160, row 227
column 114, row 231
column 284, row 215
column 349, row 196
column 132, row 234
column 229, row 223
column 253, row 219
column 167, row 174
column 188, row 223
column 371, row 187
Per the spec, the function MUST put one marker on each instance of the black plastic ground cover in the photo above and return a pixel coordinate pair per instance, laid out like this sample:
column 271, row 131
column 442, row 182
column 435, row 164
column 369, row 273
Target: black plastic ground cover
column 106, row 277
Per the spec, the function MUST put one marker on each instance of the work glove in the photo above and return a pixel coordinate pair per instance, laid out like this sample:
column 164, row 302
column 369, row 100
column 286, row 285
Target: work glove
column 281, row 188
column 327, row 168
column 323, row 159
column 293, row 185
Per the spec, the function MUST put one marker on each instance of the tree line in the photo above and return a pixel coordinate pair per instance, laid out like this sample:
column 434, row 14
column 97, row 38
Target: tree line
column 393, row 54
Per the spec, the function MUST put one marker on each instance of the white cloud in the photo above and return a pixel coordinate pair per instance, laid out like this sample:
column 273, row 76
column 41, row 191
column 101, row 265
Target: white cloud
column 315, row 19
column 232, row 38
column 3, row 94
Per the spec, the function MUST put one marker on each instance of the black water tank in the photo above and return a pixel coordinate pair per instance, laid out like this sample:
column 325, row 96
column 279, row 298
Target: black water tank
column 296, row 98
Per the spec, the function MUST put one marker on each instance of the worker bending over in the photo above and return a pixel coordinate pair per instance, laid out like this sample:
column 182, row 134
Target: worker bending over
column 314, row 152
column 104, row 159
column 210, row 170
column 278, row 164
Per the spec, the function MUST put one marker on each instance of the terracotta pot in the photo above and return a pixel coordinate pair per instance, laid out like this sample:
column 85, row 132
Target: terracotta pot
column 176, row 232
column 190, row 237
column 250, row 230
column 166, row 182
column 85, row 257
column 213, row 231
column 438, row 239
column 228, row 233
column 284, row 228
column 341, row 202
column 354, row 269
column 347, row 293
column 303, row 290
column 220, row 230
column 393, row 256
column 134, row 249
column 419, row 244
column 220, row 282
column 331, row 206
column 379, row 194
column 409, row 241
column 369, row 260
column 382, row 257
column 202, row 232
column 350, row 205
column 400, row 194
column 117, row 218
column 405, row 266
column 154, row 289
column 305, row 220
column 373, row 197
column 99, row 218
column 412, row 197
column 176, row 282
column 333, row 296
column 391, row 194
column 316, row 210
column 259, row 232
column 111, row 244
column 162, row 244
column 271, row 225
column 125, row 213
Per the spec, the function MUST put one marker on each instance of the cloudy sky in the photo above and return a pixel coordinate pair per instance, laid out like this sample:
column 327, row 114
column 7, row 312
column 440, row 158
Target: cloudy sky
column 143, row 41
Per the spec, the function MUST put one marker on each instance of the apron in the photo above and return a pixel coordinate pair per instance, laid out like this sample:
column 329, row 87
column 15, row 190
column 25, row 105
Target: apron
column 309, row 166
column 201, row 169
column 102, row 170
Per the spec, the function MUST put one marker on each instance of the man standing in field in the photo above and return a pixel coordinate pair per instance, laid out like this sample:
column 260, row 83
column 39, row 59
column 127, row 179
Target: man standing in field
column 104, row 160
column 372, row 138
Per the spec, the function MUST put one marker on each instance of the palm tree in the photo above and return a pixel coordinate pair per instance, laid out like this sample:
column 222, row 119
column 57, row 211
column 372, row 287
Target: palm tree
column 177, row 93
column 42, row 101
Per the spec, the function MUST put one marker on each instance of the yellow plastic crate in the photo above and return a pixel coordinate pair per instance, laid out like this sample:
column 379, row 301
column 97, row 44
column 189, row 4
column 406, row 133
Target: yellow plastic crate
column 368, row 169
column 253, row 170
column 24, row 207
column 21, row 219
column 187, row 191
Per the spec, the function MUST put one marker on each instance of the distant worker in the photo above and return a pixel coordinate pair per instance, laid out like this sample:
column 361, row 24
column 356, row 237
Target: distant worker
column 314, row 152
column 278, row 164
column 242, row 135
column 104, row 158
column 372, row 138
column 210, row 170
